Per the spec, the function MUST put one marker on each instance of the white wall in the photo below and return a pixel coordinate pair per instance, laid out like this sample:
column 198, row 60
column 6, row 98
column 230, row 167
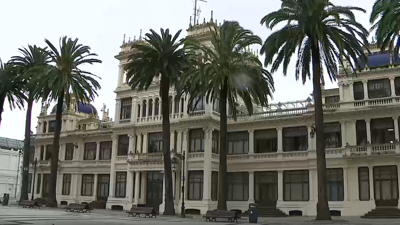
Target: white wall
column 8, row 172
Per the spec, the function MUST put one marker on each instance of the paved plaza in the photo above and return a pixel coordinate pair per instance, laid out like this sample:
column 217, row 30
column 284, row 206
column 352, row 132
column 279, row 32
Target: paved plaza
column 18, row 216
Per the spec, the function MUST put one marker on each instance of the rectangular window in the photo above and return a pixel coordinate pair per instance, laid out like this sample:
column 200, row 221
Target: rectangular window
column 41, row 152
column 334, row 184
column 215, row 142
column 105, row 150
column 295, row 185
column 90, row 151
column 379, row 88
column 382, row 131
column 46, row 185
column 195, row 185
column 123, row 145
column 155, row 142
column 332, row 99
column 31, row 154
column 126, row 108
column 39, row 183
column 295, row 139
column 87, row 184
column 196, row 140
column 363, row 183
column 361, row 132
column 238, row 142
column 266, row 141
column 332, row 135
column 49, row 151
column 120, row 185
column 30, row 183
column 66, row 185
column 176, row 110
column 69, row 151
column 52, row 126
column 358, row 90
column 397, row 85
column 238, row 186
column 214, row 186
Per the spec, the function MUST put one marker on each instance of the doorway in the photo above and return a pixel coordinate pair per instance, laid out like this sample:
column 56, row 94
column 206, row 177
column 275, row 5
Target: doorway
column 386, row 186
column 154, row 196
column 266, row 188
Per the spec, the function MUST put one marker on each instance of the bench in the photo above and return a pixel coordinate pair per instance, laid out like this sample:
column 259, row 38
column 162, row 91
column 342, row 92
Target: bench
column 146, row 211
column 28, row 204
column 213, row 215
column 75, row 207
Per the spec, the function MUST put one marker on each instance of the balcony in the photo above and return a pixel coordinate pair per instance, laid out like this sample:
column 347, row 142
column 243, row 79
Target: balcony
column 375, row 149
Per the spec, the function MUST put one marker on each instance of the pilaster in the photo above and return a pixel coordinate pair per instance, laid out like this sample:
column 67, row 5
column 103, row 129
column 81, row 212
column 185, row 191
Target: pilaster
column 112, row 169
column 251, row 141
column 207, row 164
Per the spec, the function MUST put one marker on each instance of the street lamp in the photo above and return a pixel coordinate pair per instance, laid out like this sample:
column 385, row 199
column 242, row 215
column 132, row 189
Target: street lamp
column 34, row 163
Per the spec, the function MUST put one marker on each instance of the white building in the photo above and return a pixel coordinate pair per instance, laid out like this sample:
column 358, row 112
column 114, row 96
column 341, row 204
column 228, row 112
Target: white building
column 10, row 166
column 272, row 158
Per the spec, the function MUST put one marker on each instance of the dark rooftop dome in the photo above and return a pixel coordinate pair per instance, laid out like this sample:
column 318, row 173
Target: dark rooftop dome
column 379, row 59
column 80, row 107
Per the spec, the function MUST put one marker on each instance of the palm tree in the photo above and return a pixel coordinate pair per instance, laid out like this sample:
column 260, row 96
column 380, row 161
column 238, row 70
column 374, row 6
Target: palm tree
column 66, row 80
column 226, row 71
column 11, row 86
column 159, row 55
column 322, row 34
column 31, row 64
column 385, row 17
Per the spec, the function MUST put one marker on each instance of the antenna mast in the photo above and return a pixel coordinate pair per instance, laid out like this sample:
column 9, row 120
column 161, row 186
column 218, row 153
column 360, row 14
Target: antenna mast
column 196, row 11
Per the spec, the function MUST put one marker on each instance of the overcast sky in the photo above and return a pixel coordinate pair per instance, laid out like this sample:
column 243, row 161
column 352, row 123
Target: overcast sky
column 101, row 24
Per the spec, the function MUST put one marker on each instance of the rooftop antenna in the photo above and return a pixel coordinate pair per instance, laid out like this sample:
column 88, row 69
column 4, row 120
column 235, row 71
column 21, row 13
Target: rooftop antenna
column 197, row 10
column 140, row 37
column 124, row 40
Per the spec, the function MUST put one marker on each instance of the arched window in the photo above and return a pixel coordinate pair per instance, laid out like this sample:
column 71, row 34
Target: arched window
column 138, row 110
column 150, row 107
column 176, row 106
column 144, row 108
column 157, row 107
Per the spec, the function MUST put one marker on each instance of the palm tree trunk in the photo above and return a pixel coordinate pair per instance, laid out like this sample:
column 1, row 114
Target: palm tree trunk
column 169, row 201
column 2, row 99
column 322, row 205
column 25, row 161
column 52, row 201
column 223, row 180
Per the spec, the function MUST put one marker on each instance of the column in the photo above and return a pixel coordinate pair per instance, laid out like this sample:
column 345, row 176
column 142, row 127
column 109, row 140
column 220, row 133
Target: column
column 351, row 91
column 365, row 87
column 207, row 164
column 251, row 141
column 392, row 86
column 185, row 172
column 280, row 185
column 61, row 153
column 140, row 108
column 180, row 107
column 143, row 186
column 120, row 75
column 371, row 183
column 78, row 187
column 96, row 182
column 139, row 143
column 251, row 186
column 341, row 86
column 185, row 105
column 396, row 128
column 280, row 142
column 154, row 108
column 343, row 131
column 131, row 143
column 137, row 187
column 47, row 126
column 368, row 127
column 345, row 184
column 117, row 110
column 313, row 185
column 112, row 169
column 310, row 139
column 171, row 141
column 44, row 152
column 98, row 150
column 173, row 106
column 179, row 144
column 163, row 190
column 173, row 184
column 129, row 186
column 145, row 136
column 134, row 111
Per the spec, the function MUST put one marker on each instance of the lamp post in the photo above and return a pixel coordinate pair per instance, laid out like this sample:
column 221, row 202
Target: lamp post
column 19, row 165
column 34, row 176
column 175, row 155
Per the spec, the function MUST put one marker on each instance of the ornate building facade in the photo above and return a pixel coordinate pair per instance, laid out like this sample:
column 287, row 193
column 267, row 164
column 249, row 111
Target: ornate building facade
column 272, row 157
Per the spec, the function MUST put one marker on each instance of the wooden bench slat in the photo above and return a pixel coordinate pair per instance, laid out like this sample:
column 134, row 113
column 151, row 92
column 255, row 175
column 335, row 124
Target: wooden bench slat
column 146, row 211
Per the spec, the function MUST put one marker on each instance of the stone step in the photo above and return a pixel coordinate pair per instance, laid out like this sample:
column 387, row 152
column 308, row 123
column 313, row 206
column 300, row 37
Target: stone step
column 382, row 213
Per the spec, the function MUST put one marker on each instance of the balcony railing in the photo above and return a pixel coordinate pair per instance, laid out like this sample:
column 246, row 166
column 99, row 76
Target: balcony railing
column 374, row 149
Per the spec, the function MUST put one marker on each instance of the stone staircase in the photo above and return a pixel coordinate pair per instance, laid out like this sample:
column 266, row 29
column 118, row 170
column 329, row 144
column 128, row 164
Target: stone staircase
column 383, row 213
column 268, row 211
